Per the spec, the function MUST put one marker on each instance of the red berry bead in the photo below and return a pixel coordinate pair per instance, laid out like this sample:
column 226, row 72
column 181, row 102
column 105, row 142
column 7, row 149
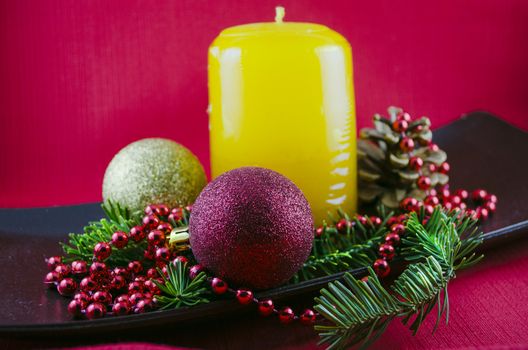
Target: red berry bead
column 51, row 278
column 423, row 182
column 455, row 200
column 265, row 307
column 286, row 315
column 151, row 287
column 152, row 273
column 137, row 233
column 140, row 279
column 491, row 207
column 156, row 238
column 444, row 193
column 381, row 267
column 463, row 194
column 180, row 259
column 118, row 282
column 151, row 221
column 165, row 271
column 218, row 286
column 95, row 310
column 102, row 251
column 123, row 298
column 79, row 267
column 134, row 298
column 149, row 209
column 87, row 284
column 83, row 298
column 120, row 309
column 428, row 209
column 393, row 220
column 400, row 125
column 150, row 253
column 402, row 218
column 67, row 287
column 398, row 229
column 135, row 286
column 434, row 147
column 53, row 261
column 75, row 308
column 462, row 206
column 362, row 219
column 161, row 210
column 416, row 163
column 307, row 317
column 409, row 204
column 376, row 221
column 319, row 231
column 102, row 297
column 448, row 206
column 176, row 214
column 121, row 271
column 431, row 200
column 479, row 195
column 471, row 214
column 482, row 213
column 444, row 168
column 244, row 297
column 119, row 239
column 431, row 168
column 404, row 116
column 491, row 198
column 392, row 238
column 342, row 225
column 194, row 271
column 163, row 254
column 165, row 227
column 407, row 144
column 143, row 306
column 135, row 266
column 386, row 251
column 99, row 269
column 63, row 270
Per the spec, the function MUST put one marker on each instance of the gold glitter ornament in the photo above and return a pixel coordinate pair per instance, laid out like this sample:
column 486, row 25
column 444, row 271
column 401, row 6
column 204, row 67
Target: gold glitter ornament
column 153, row 171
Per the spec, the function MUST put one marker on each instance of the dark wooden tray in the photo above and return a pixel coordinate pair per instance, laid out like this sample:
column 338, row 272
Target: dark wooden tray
column 483, row 152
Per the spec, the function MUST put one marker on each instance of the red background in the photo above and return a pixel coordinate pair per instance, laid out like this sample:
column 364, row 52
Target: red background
column 81, row 79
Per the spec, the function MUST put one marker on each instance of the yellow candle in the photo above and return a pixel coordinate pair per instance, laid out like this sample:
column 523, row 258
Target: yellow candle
column 281, row 96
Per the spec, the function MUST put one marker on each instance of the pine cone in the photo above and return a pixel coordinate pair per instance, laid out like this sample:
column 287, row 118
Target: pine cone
column 397, row 159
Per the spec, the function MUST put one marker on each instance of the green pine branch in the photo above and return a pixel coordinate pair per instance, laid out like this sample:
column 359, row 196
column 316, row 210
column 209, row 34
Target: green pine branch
column 178, row 290
column 80, row 245
column 336, row 251
column 358, row 312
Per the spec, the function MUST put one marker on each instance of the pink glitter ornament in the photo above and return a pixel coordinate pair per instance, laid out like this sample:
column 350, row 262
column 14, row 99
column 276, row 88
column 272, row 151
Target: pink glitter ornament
column 253, row 227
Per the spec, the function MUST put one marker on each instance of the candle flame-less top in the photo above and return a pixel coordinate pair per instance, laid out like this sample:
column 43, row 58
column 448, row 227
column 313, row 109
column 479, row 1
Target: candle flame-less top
column 284, row 29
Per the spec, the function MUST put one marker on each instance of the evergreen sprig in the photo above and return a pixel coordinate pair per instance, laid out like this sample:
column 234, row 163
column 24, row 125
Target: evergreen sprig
column 80, row 246
column 336, row 251
column 359, row 312
column 179, row 290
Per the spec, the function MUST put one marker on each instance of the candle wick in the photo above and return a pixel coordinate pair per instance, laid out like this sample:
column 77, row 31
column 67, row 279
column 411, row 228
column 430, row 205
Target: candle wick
column 279, row 14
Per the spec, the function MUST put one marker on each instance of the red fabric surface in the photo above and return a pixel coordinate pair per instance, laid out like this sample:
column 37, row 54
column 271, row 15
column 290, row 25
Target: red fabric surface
column 81, row 79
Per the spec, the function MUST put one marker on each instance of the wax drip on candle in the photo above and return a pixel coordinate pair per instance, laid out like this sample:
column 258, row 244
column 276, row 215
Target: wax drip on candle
column 279, row 14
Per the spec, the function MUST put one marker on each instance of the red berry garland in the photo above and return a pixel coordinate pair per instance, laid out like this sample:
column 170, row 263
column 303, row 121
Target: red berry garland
column 98, row 290
column 94, row 286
